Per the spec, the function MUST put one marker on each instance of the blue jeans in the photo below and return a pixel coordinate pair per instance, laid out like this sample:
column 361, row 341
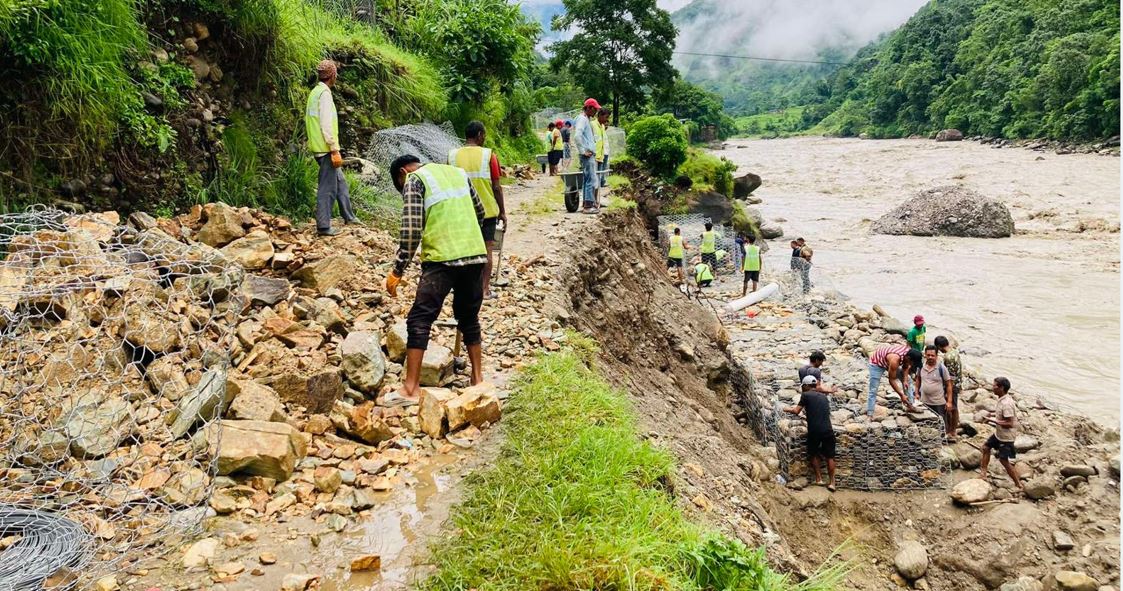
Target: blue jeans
column 876, row 372
column 589, row 178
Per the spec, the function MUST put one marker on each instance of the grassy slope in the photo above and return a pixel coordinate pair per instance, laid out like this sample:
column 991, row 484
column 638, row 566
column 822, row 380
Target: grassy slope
column 577, row 500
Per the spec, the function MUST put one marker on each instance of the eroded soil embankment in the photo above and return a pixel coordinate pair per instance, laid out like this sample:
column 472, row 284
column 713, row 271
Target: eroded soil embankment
column 672, row 355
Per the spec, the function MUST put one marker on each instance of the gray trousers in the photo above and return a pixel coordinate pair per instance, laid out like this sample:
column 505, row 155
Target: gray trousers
column 332, row 188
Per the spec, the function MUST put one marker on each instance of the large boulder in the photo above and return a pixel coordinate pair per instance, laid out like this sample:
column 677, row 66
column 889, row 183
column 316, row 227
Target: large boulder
column 257, row 448
column 224, row 224
column 316, row 391
column 911, row 560
column 363, row 363
column 744, row 185
column 326, row 273
column 948, row 211
column 1068, row 580
column 253, row 251
column 771, row 230
column 433, row 411
column 369, row 424
column 975, row 490
column 949, row 135
column 713, row 205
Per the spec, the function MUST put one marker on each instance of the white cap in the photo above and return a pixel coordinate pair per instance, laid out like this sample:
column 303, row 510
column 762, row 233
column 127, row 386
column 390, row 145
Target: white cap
column 810, row 380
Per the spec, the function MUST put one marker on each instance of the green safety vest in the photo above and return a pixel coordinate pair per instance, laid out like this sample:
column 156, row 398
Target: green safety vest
column 752, row 257
column 702, row 273
column 709, row 242
column 556, row 141
column 451, row 229
column 316, row 142
column 476, row 162
column 675, row 252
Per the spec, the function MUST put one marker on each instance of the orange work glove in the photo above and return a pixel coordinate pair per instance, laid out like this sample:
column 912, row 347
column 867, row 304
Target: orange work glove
column 336, row 159
column 392, row 281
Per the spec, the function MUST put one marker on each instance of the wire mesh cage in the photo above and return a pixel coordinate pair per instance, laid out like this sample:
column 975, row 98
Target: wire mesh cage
column 692, row 225
column 113, row 360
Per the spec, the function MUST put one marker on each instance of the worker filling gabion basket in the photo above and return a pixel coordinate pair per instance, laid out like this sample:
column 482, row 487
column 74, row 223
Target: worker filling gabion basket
column 113, row 363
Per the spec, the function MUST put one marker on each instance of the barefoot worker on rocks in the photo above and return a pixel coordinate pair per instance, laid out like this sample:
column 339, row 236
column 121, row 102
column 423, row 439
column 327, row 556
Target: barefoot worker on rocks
column 442, row 213
column 482, row 167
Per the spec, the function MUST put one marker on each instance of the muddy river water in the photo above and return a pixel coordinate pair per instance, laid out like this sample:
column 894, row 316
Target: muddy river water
column 1041, row 308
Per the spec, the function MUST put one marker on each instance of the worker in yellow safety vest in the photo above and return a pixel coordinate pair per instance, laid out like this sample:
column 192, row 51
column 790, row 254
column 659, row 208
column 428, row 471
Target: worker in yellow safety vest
column 482, row 167
column 554, row 140
column 602, row 146
column 703, row 274
column 708, row 248
column 442, row 213
column 752, row 265
column 676, row 252
column 598, row 150
column 321, row 124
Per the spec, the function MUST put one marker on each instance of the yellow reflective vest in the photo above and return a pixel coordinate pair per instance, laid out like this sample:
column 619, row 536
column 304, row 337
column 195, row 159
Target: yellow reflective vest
column 598, row 133
column 451, row 231
column 709, row 242
column 702, row 273
column 475, row 161
column 316, row 142
column 676, row 249
column 752, row 258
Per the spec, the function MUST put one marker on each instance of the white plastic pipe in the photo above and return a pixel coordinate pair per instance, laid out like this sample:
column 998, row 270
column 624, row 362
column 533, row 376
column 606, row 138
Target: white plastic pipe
column 754, row 297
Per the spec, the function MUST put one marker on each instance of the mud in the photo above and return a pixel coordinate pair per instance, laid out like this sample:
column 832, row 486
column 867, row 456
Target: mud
column 1041, row 307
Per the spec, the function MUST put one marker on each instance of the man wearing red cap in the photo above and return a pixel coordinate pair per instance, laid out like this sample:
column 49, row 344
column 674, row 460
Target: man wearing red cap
column 586, row 143
column 916, row 334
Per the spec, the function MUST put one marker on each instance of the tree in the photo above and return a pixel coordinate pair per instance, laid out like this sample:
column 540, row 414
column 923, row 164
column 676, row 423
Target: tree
column 690, row 101
column 620, row 49
column 480, row 44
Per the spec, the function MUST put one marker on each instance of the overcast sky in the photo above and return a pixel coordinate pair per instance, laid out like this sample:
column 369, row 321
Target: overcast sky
column 792, row 29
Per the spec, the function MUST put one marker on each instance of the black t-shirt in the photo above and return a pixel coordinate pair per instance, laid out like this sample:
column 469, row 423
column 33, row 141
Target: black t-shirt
column 565, row 135
column 808, row 370
column 796, row 252
column 818, row 410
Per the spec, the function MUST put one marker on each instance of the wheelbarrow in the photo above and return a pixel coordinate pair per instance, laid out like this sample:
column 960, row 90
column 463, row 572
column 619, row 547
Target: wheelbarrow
column 574, row 185
column 543, row 160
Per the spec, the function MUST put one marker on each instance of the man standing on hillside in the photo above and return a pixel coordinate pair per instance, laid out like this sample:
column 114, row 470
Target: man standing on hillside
column 708, row 247
column 322, row 126
column 752, row 265
column 482, row 167
column 955, row 368
column 586, row 144
column 441, row 213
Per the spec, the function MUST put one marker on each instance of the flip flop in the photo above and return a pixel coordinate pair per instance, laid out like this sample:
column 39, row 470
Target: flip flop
column 397, row 399
column 831, row 487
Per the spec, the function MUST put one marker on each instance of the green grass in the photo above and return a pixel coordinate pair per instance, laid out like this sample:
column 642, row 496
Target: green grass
column 617, row 181
column 708, row 172
column 549, row 202
column 774, row 124
column 577, row 500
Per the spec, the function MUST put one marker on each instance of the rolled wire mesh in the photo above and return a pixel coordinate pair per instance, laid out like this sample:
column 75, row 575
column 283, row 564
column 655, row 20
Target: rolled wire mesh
column 428, row 141
column 113, row 360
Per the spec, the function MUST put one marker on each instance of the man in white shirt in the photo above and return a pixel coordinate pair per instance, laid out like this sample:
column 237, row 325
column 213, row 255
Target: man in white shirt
column 586, row 143
column 322, row 126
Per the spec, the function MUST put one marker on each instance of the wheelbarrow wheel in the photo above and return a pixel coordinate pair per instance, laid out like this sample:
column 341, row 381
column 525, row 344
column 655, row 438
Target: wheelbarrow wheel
column 571, row 201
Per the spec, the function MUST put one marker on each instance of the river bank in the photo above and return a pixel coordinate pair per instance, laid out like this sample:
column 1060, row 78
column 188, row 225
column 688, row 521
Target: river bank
column 1041, row 307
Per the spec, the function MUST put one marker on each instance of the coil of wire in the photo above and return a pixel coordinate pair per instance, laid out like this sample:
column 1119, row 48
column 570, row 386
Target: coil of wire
column 45, row 543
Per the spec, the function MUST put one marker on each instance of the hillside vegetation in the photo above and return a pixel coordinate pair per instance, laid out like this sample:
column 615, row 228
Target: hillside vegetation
column 158, row 104
column 1008, row 68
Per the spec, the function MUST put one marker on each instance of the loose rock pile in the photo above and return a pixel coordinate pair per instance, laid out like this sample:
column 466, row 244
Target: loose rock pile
column 123, row 345
column 948, row 211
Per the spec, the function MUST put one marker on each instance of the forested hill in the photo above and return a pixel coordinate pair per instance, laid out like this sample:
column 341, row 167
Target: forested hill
column 1009, row 68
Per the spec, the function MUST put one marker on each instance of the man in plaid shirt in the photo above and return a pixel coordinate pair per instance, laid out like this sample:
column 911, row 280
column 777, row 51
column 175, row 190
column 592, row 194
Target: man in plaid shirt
column 442, row 214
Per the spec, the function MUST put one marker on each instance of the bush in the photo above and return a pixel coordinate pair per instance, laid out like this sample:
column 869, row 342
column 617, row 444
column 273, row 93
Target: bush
column 707, row 172
column 659, row 141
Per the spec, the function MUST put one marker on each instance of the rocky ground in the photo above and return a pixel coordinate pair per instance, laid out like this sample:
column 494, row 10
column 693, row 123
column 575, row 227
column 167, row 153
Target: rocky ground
column 968, row 533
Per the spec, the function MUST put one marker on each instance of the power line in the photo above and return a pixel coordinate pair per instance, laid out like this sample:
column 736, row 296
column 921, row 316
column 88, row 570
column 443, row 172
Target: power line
column 763, row 59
